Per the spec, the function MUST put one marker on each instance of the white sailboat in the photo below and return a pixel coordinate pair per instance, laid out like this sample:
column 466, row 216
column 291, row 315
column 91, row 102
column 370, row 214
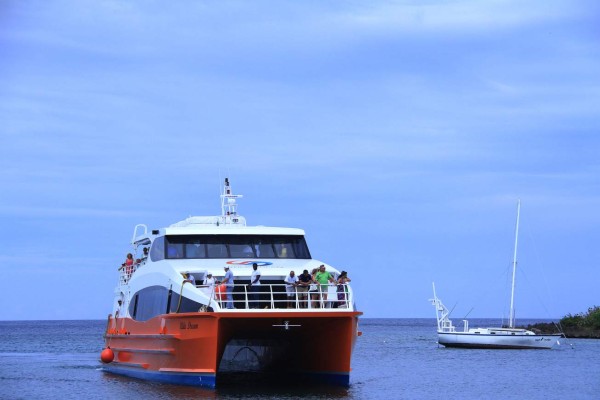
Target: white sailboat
column 497, row 338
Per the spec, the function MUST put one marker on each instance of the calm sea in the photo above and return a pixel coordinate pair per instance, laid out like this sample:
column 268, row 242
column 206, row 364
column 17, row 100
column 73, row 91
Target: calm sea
column 394, row 359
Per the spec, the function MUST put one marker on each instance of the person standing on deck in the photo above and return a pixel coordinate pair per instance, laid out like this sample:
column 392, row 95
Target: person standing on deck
column 209, row 280
column 313, row 289
column 228, row 281
column 342, row 289
column 254, row 286
column 127, row 266
column 189, row 278
column 323, row 278
column 304, row 281
column 291, row 281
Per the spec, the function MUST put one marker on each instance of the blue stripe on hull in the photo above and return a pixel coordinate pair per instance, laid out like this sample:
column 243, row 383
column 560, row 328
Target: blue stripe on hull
column 189, row 379
column 330, row 378
column 209, row 380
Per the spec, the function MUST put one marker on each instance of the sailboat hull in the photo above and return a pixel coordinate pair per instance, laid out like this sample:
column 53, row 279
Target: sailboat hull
column 497, row 341
column 491, row 338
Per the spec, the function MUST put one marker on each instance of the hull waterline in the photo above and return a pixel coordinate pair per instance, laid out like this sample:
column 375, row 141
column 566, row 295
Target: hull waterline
column 483, row 341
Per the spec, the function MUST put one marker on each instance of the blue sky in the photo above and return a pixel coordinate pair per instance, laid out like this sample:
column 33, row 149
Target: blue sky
column 398, row 134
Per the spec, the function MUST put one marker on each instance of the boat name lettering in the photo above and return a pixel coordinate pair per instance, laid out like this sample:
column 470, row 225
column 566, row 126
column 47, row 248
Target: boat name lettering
column 246, row 262
column 189, row 325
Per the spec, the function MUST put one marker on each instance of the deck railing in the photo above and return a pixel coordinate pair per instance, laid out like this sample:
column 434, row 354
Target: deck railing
column 125, row 271
column 275, row 296
column 269, row 296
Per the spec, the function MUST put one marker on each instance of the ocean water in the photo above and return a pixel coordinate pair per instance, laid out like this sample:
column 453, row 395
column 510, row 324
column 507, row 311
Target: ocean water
column 393, row 359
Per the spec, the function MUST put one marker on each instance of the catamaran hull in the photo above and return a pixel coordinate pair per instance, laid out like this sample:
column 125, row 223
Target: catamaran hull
column 486, row 341
column 196, row 348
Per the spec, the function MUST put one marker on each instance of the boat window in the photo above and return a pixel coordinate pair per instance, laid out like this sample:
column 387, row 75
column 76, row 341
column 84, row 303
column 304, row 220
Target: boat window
column 195, row 250
column 265, row 250
column 241, row 251
column 150, row 302
column 284, row 250
column 234, row 246
column 216, row 250
column 241, row 247
column 157, row 252
column 174, row 249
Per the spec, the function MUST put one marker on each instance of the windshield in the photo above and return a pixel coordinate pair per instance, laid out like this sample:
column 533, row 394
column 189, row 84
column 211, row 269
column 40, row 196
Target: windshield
column 229, row 246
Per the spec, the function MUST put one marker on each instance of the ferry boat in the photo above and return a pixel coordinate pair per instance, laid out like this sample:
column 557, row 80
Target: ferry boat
column 168, row 326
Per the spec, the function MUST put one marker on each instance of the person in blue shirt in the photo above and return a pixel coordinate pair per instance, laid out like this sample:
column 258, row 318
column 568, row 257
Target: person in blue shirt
column 228, row 281
column 190, row 278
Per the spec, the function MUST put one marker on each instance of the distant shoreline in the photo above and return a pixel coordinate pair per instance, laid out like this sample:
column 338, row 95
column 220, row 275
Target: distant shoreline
column 571, row 333
column 578, row 326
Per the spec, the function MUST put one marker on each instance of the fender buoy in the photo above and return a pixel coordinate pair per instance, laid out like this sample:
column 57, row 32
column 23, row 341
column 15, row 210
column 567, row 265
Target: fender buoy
column 107, row 355
column 221, row 292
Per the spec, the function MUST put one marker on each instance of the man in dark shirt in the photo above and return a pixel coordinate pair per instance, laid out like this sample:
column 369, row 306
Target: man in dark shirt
column 304, row 281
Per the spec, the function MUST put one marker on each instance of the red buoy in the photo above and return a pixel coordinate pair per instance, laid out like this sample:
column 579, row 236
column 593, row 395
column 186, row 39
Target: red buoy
column 107, row 355
column 221, row 292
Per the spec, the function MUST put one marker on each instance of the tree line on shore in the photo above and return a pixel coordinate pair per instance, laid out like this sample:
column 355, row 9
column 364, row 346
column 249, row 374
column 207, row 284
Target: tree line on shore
column 582, row 325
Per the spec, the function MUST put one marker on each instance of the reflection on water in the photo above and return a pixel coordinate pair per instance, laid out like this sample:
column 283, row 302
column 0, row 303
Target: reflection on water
column 256, row 385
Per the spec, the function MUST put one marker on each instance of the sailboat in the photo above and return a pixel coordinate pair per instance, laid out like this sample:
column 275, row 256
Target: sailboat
column 491, row 338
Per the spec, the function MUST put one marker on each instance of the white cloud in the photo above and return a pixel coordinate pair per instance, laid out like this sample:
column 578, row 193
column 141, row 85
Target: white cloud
column 457, row 16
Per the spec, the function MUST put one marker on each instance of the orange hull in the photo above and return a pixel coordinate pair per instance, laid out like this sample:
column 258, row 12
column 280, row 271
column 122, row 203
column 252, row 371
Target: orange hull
column 193, row 348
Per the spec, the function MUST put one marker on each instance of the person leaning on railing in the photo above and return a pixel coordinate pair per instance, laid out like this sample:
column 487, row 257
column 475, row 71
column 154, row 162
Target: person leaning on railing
column 313, row 289
column 342, row 289
column 304, row 281
column 188, row 277
column 323, row 278
column 291, row 281
column 127, row 266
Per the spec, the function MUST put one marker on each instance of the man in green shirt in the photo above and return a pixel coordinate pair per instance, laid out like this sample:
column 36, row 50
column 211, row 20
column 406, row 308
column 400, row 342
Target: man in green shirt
column 323, row 278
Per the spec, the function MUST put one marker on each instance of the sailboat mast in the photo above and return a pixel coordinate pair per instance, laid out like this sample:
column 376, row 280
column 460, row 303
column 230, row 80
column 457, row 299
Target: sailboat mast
column 511, row 320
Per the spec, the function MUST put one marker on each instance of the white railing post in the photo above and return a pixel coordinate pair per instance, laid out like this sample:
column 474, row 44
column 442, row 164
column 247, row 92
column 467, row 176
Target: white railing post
column 321, row 302
column 246, row 296
column 297, row 303
column 347, row 295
